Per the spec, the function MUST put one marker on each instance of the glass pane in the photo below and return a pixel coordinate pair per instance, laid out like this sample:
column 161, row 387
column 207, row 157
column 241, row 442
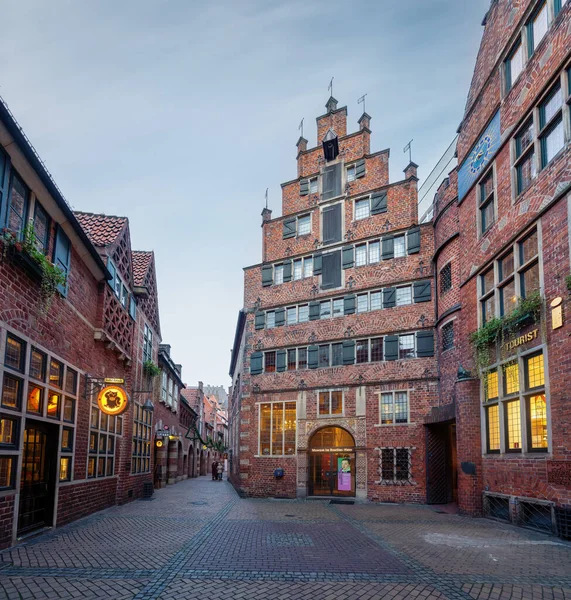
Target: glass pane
column 376, row 302
column 351, row 173
column 303, row 315
column 303, row 225
column 11, row 391
column 91, row 467
column 290, row 427
column 406, row 346
column 54, row 405
column 387, row 464
column 551, row 107
column 362, row 351
column 6, row 471
column 513, row 422
column 526, row 172
column 323, row 403
column 362, row 303
column 35, row 399
column 313, row 185
column 18, row 205
column 487, row 281
column 292, row 315
column 110, row 462
column 71, row 381
column 492, row 385
column 336, row 355
column 7, row 431
column 291, row 360
column 361, row 255
column 277, row 428
column 94, row 417
column 270, row 319
column 105, row 421
column 402, row 464
column 265, row 424
column 404, row 295
column 279, row 274
column 297, row 269
column 387, row 409
column 535, row 372
column 528, row 248
column 493, row 413
column 65, row 468
column 102, row 443
column 361, row 209
column 553, row 142
column 506, row 266
column 323, row 356
column 538, row 422
column 338, row 307
column 516, row 63
column 93, row 442
column 15, row 352
column 325, row 309
column 508, row 298
column 308, row 267
column 488, row 215
column 100, row 467
column 486, row 187
column 336, row 402
column 401, row 407
column 270, row 362
column 69, row 409
column 399, row 246
column 56, row 373
column 488, row 308
column 539, row 26
column 302, row 358
column 376, row 349
column 530, row 280
column 374, row 252
column 38, row 365
column 525, row 138
column 511, row 378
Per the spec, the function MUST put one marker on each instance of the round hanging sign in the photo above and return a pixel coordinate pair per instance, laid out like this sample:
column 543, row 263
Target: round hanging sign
column 112, row 400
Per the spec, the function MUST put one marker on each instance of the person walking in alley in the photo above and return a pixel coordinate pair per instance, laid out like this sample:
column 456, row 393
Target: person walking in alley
column 220, row 469
column 214, row 470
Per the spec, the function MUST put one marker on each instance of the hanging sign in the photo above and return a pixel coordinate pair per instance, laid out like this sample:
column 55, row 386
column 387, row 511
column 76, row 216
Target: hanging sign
column 118, row 380
column 112, row 400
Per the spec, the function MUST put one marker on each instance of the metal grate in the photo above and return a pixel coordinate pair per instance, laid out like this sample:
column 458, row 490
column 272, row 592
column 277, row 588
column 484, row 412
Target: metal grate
column 563, row 520
column 497, row 507
column 446, row 278
column 395, row 466
column 448, row 336
column 535, row 515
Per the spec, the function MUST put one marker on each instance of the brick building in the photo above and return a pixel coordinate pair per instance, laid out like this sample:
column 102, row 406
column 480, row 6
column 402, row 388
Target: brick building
column 502, row 248
column 332, row 366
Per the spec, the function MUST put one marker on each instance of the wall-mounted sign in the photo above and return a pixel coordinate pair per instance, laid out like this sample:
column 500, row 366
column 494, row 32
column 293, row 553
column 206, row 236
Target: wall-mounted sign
column 112, row 400
column 117, row 380
column 518, row 341
column 159, row 443
column 479, row 157
column 557, row 313
column 333, row 450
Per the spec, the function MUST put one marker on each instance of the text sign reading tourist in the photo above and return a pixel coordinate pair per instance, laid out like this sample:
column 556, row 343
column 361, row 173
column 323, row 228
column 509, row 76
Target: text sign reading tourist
column 112, row 400
column 518, row 341
column 479, row 157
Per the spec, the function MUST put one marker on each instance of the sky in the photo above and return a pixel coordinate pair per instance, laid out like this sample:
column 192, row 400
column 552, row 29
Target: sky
column 179, row 114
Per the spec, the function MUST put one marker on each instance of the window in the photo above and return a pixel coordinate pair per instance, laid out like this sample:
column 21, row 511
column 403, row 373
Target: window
column 404, row 295
column 331, row 403
column 313, row 185
column 15, row 355
column 525, row 166
column 529, row 269
column 362, row 303
column 362, row 351
column 406, row 346
column 303, row 313
column 164, row 386
column 141, row 453
column 35, row 403
column 513, row 65
column 12, row 392
column 537, row 28
column 291, row 360
column 399, row 246
column 18, row 206
column 304, row 225
column 41, row 228
column 270, row 362
column 8, row 432
column 103, row 435
column 446, row 278
column 362, row 209
column 323, row 356
column 277, row 428
column 336, row 355
column 302, row 358
column 270, row 319
column 360, row 255
column 38, row 365
column 395, row 465
column 170, row 391
column 522, row 385
column 448, row 336
column 351, row 173
column 291, row 312
column 376, row 349
column 308, row 266
column 376, row 300
column 487, row 202
column 374, row 252
column 7, row 472
column 325, row 309
column 393, row 408
column 147, row 344
column 133, row 308
column 338, row 307
column 551, row 134
column 297, row 269
column 278, row 274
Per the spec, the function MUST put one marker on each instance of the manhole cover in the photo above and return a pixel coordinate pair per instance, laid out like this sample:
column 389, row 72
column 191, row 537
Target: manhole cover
column 199, row 503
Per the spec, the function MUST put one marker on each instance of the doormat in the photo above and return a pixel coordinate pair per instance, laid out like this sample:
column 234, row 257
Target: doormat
column 341, row 501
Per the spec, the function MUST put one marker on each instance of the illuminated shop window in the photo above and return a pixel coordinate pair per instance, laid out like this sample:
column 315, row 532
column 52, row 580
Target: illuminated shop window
column 277, row 428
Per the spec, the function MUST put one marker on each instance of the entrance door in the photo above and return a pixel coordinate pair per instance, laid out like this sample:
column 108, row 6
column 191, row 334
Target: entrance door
column 441, row 464
column 37, row 486
column 332, row 463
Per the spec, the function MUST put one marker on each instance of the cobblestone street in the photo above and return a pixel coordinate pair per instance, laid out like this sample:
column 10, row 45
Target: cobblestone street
column 198, row 540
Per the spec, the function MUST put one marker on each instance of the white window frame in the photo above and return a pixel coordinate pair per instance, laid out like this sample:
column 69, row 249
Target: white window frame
column 298, row 219
column 404, row 251
column 393, row 393
column 410, row 295
column 313, row 182
column 366, row 199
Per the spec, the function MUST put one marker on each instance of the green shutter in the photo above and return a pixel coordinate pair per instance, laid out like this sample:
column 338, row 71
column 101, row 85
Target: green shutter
column 313, row 311
column 388, row 247
column 287, row 270
column 256, row 363
column 317, row 264
column 413, row 240
column 280, row 317
column 348, row 352
column 349, row 304
column 267, row 275
column 391, row 347
column 389, row 297
column 331, row 221
column 424, row 344
column 289, row 230
column 260, row 320
column 360, row 168
column 304, row 187
column 312, row 357
column 348, row 257
column 378, row 203
column 422, row 291
column 62, row 257
column 281, row 361
column 331, row 274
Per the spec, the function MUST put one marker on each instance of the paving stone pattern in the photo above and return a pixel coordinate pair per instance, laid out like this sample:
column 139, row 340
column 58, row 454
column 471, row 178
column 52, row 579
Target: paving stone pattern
column 197, row 539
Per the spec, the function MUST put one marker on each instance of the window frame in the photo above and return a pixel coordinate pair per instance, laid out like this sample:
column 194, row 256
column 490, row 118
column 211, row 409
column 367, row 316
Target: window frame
column 141, row 440
column 330, row 415
column 395, row 480
column 271, row 403
column 393, row 394
column 485, row 201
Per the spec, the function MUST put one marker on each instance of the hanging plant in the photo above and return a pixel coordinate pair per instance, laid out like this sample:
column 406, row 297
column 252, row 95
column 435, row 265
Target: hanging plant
column 568, row 283
column 209, row 442
column 484, row 340
column 151, row 369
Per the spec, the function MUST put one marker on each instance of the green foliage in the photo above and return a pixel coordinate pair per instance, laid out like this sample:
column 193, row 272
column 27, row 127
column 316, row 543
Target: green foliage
column 528, row 310
column 209, row 442
column 151, row 369
column 568, row 282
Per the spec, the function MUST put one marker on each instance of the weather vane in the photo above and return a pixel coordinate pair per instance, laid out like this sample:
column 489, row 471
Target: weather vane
column 361, row 100
column 301, row 127
column 330, row 88
column 409, row 148
column 267, row 197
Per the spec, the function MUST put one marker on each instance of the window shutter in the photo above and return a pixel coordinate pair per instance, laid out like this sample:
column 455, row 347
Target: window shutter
column 281, row 360
column 389, row 297
column 388, row 247
column 317, row 264
column 391, row 347
column 260, row 320
column 287, row 270
column 304, row 187
column 348, row 352
column 424, row 343
column 256, row 363
column 313, row 311
column 378, row 203
column 280, row 317
column 289, row 228
column 331, row 276
column 267, row 275
column 331, row 224
column 348, row 257
column 62, row 256
column 331, row 181
column 413, row 240
column 422, row 291
column 312, row 357
column 4, row 183
column 360, row 168
column 349, row 305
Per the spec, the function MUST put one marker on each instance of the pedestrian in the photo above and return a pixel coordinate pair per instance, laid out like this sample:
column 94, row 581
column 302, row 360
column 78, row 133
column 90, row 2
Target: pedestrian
column 214, row 470
column 220, row 470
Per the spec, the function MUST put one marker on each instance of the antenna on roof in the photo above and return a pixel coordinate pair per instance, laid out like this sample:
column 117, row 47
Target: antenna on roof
column 330, row 88
column 409, row 148
column 301, row 127
column 361, row 100
column 267, row 197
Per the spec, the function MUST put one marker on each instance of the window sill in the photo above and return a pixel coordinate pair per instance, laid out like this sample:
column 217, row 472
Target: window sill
column 393, row 424
column 514, row 455
column 276, row 455
column 339, row 416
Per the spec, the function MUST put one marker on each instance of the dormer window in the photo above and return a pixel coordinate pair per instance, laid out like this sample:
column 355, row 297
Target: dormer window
column 330, row 145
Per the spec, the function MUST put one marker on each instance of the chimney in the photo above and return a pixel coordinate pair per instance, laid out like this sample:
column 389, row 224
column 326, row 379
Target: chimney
column 331, row 105
column 266, row 216
column 334, row 119
column 410, row 171
column 200, row 385
column 364, row 121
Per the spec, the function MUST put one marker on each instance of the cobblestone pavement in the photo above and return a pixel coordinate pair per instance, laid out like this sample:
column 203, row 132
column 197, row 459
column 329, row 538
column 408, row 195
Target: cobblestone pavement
column 198, row 540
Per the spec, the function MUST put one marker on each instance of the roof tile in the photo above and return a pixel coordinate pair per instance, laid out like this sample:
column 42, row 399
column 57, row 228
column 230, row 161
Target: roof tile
column 102, row 230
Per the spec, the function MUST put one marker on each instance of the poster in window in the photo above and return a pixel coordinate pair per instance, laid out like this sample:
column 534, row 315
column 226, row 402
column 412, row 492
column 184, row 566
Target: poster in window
column 344, row 474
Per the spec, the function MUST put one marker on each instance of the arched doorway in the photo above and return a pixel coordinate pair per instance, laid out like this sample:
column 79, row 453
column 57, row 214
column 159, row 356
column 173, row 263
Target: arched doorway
column 332, row 468
column 202, row 463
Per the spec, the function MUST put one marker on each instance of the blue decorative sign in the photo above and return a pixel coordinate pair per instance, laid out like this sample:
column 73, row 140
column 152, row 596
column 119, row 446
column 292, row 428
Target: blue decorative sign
column 479, row 157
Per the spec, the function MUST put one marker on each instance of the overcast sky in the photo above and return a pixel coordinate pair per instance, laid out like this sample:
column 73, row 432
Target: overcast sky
column 179, row 114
